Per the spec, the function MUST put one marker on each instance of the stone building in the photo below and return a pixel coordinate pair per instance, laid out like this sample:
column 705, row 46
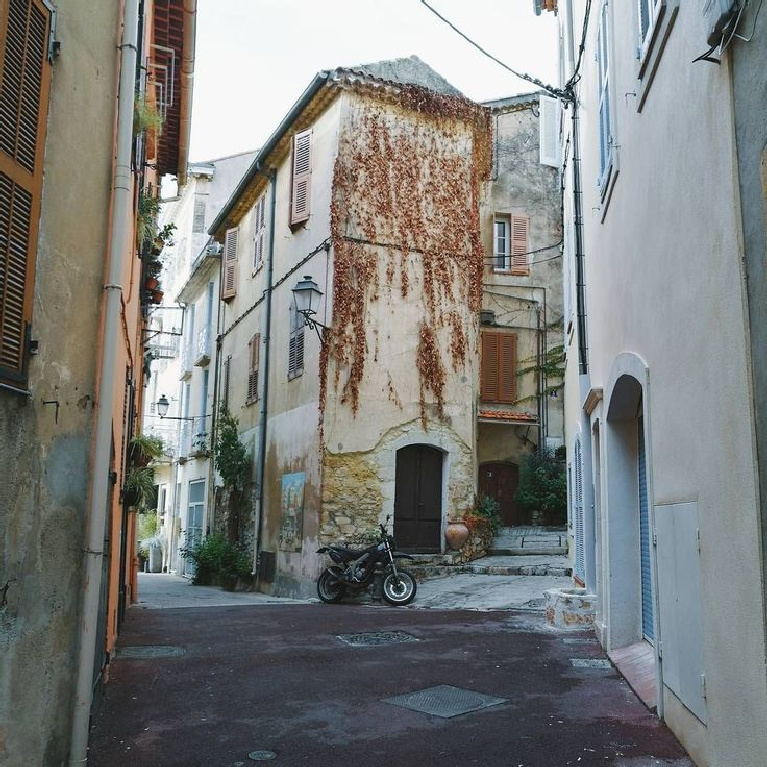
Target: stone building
column 73, row 184
column 375, row 189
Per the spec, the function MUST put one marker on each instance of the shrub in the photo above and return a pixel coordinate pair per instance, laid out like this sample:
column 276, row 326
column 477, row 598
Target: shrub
column 543, row 485
column 489, row 510
column 217, row 561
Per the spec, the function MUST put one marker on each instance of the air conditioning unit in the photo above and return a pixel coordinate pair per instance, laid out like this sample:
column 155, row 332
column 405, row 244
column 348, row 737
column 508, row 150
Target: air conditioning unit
column 718, row 14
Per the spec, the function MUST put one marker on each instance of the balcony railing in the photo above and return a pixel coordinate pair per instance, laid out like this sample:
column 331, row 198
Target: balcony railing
column 194, row 438
column 186, row 362
column 169, row 436
column 202, row 349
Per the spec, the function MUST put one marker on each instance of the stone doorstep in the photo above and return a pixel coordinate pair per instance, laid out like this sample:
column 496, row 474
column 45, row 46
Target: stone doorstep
column 425, row 572
column 533, row 552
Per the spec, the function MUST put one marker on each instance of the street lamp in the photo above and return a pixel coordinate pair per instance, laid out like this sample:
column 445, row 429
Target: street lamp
column 306, row 299
column 162, row 411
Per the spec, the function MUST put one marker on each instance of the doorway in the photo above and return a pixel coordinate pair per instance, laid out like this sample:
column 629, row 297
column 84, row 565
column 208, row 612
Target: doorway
column 194, row 521
column 418, row 499
column 499, row 481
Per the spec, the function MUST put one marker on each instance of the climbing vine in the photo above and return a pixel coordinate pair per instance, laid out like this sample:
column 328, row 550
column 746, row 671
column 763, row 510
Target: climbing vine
column 405, row 218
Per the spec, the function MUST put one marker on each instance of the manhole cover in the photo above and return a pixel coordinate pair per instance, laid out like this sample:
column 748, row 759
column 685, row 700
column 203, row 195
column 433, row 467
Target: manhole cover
column 376, row 638
column 150, row 651
column 262, row 756
column 590, row 663
column 445, row 700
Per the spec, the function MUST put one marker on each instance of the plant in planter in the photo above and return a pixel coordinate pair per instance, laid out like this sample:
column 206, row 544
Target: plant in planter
column 230, row 457
column 146, row 222
column 138, row 490
column 157, row 296
column 543, row 487
column 145, row 448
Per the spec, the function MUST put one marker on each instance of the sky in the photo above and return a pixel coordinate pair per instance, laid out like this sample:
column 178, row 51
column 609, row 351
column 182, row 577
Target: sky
column 254, row 58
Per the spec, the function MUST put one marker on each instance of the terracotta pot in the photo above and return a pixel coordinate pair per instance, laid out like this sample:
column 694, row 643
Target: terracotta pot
column 456, row 535
column 157, row 296
column 151, row 283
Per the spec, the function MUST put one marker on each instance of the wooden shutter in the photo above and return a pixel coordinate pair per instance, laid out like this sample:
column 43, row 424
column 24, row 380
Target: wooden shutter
column 253, row 356
column 198, row 218
column 499, row 367
column 259, row 224
column 548, row 130
column 520, row 227
column 229, row 281
column 24, row 89
column 300, row 201
column 227, row 376
column 296, row 353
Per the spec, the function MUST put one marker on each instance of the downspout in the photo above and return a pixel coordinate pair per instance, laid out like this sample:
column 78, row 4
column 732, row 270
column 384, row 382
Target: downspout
column 265, row 396
column 580, row 279
column 121, row 226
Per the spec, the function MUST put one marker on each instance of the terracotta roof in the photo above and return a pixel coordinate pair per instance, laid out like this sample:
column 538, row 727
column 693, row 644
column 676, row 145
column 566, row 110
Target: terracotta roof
column 506, row 415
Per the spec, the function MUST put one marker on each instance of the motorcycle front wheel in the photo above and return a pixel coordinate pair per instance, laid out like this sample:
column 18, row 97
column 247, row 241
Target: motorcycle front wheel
column 399, row 589
column 329, row 590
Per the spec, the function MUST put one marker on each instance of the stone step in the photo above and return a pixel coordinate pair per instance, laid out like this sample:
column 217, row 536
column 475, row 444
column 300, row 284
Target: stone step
column 424, row 572
column 560, row 551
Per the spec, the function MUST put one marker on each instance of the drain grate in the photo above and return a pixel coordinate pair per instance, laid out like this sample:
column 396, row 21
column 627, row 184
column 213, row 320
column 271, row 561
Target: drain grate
column 376, row 638
column 581, row 640
column 590, row 663
column 150, row 651
column 445, row 700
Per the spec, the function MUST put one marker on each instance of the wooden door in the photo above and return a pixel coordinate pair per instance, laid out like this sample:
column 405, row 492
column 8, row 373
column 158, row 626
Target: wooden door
column 499, row 481
column 418, row 499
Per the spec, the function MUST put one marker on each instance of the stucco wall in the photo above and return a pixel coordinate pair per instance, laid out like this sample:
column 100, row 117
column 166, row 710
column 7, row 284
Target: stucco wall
column 664, row 283
column 44, row 491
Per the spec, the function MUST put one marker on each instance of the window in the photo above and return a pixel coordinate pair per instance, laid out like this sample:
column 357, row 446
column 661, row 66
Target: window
column 24, row 87
column 499, row 367
column 259, row 227
column 229, row 282
column 296, row 346
column 649, row 11
column 300, row 198
column 548, row 130
column 254, row 350
column 198, row 219
column 511, row 244
column 605, row 118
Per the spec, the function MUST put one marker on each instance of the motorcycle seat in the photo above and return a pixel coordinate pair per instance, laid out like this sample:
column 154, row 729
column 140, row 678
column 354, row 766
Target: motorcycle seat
column 349, row 553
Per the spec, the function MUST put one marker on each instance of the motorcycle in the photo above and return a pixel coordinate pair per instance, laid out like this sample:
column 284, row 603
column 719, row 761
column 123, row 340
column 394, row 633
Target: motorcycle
column 357, row 569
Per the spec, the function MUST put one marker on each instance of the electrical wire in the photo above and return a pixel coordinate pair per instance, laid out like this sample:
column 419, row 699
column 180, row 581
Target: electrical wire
column 521, row 75
column 753, row 28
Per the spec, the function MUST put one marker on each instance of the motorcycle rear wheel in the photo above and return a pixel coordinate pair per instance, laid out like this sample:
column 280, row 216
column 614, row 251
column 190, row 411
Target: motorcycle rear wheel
column 329, row 590
column 399, row 589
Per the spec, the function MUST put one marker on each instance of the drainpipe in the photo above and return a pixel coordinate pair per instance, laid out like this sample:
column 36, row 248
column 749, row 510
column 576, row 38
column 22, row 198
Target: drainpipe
column 265, row 397
column 580, row 278
column 121, row 226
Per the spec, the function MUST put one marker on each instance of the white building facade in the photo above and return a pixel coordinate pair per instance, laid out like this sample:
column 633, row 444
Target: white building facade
column 659, row 411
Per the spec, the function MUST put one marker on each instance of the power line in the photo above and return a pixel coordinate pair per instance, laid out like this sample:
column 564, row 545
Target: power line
column 558, row 92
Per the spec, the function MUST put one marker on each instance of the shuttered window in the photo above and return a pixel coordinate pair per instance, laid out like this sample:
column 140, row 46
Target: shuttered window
column 548, row 130
column 24, row 88
column 499, row 367
column 254, row 351
column 229, row 281
column 511, row 246
column 296, row 353
column 301, row 190
column 259, row 226
column 225, row 384
column 198, row 218
column 605, row 117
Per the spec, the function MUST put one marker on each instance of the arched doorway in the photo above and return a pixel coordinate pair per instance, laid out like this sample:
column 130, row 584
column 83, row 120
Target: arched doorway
column 418, row 499
column 499, row 481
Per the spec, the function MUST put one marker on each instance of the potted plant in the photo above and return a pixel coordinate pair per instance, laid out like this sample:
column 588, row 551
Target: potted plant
column 157, row 296
column 138, row 489
column 145, row 448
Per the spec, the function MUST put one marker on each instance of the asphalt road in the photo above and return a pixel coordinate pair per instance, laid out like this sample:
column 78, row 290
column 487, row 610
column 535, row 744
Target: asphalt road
column 277, row 678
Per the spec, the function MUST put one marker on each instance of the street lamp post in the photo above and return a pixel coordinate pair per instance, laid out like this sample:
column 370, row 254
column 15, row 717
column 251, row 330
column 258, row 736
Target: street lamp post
column 306, row 299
